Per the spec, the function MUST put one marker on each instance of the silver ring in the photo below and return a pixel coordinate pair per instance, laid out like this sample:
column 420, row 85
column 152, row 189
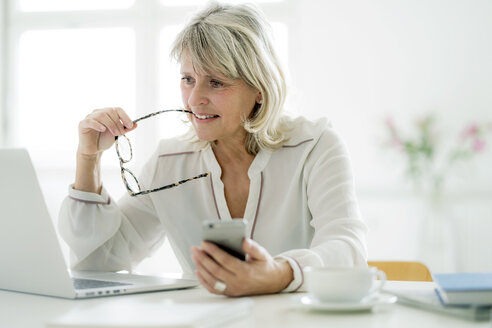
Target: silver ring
column 220, row 286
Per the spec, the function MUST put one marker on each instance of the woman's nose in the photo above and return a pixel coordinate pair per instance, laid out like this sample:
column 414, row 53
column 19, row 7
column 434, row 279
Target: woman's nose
column 198, row 96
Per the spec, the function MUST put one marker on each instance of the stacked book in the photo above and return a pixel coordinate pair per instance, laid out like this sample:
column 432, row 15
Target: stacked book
column 464, row 295
column 465, row 289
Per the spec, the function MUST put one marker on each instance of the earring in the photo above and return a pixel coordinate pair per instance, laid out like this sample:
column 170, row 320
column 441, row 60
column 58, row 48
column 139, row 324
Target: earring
column 260, row 102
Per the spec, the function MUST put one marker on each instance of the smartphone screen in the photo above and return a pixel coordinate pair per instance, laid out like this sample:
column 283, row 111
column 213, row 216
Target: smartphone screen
column 228, row 235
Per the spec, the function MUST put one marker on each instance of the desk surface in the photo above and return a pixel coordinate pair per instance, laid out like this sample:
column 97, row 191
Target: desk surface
column 23, row 310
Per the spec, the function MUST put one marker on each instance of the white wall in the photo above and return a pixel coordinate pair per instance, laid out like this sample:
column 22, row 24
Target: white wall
column 2, row 70
column 360, row 60
column 356, row 61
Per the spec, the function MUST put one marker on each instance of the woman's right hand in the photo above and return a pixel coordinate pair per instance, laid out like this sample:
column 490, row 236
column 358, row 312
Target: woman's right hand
column 98, row 129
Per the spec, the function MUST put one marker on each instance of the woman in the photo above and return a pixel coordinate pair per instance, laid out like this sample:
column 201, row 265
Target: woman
column 290, row 178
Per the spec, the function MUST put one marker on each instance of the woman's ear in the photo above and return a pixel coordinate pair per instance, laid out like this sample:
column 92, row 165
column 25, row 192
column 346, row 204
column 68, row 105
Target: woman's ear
column 259, row 98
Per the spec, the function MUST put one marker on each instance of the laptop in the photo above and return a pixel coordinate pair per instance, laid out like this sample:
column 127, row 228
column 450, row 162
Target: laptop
column 30, row 255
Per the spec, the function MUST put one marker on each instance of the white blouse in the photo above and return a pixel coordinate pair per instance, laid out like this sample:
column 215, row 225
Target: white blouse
column 301, row 207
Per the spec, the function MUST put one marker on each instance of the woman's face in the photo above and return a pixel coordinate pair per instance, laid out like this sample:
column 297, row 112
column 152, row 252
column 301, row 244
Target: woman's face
column 218, row 103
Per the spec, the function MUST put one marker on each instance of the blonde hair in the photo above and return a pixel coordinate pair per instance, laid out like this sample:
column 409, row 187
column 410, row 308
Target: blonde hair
column 235, row 41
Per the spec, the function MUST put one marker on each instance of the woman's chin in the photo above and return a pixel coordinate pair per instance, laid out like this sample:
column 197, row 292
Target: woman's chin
column 205, row 137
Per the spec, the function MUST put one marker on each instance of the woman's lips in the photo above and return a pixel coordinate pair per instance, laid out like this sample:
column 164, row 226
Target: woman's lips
column 205, row 116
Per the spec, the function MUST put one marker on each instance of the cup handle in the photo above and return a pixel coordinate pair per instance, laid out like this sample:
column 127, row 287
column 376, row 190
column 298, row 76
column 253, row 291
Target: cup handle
column 382, row 278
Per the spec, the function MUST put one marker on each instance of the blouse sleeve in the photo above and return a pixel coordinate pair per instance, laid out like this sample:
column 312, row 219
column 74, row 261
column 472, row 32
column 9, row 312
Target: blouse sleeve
column 108, row 236
column 339, row 231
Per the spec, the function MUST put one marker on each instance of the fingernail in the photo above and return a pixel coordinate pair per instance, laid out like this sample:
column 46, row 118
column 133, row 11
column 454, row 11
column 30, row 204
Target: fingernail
column 196, row 249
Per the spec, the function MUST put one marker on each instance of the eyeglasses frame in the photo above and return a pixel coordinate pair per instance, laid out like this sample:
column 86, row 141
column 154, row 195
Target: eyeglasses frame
column 124, row 169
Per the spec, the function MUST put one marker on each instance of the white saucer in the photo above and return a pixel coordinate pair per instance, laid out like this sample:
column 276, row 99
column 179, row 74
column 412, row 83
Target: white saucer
column 311, row 303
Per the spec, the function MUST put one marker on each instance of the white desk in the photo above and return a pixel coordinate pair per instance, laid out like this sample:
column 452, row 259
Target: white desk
column 19, row 310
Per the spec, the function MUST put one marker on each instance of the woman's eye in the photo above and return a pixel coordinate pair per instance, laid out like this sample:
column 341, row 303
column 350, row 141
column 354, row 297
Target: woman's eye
column 216, row 84
column 187, row 79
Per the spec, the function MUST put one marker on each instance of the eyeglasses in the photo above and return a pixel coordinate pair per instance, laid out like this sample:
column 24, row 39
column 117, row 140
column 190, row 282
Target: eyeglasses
column 125, row 155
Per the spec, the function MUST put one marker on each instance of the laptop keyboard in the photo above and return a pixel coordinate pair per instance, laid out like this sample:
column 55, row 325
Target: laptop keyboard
column 91, row 283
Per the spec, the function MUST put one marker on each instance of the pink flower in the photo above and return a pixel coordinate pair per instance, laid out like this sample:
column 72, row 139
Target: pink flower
column 395, row 139
column 389, row 122
column 470, row 131
column 478, row 145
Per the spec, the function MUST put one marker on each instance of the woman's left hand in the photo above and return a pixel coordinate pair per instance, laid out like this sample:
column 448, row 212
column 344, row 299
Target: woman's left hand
column 259, row 274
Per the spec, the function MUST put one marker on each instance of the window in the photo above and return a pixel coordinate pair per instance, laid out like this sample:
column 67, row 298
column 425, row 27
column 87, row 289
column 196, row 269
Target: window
column 64, row 5
column 64, row 73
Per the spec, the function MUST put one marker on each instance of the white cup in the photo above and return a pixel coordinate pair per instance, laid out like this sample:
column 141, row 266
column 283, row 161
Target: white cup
column 331, row 284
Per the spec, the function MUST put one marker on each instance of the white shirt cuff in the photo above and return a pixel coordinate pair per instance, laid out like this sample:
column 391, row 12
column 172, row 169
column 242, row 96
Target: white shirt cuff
column 89, row 197
column 298, row 280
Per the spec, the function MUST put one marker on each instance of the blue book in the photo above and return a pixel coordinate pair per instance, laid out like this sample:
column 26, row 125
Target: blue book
column 465, row 288
column 428, row 299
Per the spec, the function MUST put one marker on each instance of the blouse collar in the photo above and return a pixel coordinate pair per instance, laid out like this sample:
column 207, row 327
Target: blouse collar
column 259, row 162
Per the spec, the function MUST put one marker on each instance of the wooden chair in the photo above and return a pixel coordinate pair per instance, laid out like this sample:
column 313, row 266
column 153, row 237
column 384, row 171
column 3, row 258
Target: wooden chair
column 403, row 271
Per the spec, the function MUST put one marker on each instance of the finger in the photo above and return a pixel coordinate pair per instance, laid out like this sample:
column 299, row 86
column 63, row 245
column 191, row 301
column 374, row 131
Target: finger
column 127, row 121
column 205, row 284
column 226, row 260
column 90, row 123
column 103, row 118
column 254, row 250
column 95, row 125
column 197, row 256
column 207, row 276
column 108, row 123
column 115, row 117
column 210, row 265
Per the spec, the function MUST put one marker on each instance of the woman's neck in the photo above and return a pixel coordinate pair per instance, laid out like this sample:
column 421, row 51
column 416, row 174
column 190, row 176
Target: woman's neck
column 232, row 153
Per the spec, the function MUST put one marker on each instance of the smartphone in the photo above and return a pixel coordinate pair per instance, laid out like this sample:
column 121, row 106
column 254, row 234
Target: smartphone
column 228, row 235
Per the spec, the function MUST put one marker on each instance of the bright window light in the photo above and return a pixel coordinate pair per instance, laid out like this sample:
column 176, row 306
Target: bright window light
column 174, row 3
column 169, row 80
column 63, row 76
column 280, row 42
column 72, row 5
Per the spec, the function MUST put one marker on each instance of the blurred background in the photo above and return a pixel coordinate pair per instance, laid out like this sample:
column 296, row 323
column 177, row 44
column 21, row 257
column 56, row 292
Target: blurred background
column 407, row 83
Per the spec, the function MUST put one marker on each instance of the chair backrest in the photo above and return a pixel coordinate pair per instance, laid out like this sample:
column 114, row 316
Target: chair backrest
column 403, row 271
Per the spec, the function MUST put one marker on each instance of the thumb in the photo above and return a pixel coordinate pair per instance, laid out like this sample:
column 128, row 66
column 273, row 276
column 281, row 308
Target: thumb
column 254, row 250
